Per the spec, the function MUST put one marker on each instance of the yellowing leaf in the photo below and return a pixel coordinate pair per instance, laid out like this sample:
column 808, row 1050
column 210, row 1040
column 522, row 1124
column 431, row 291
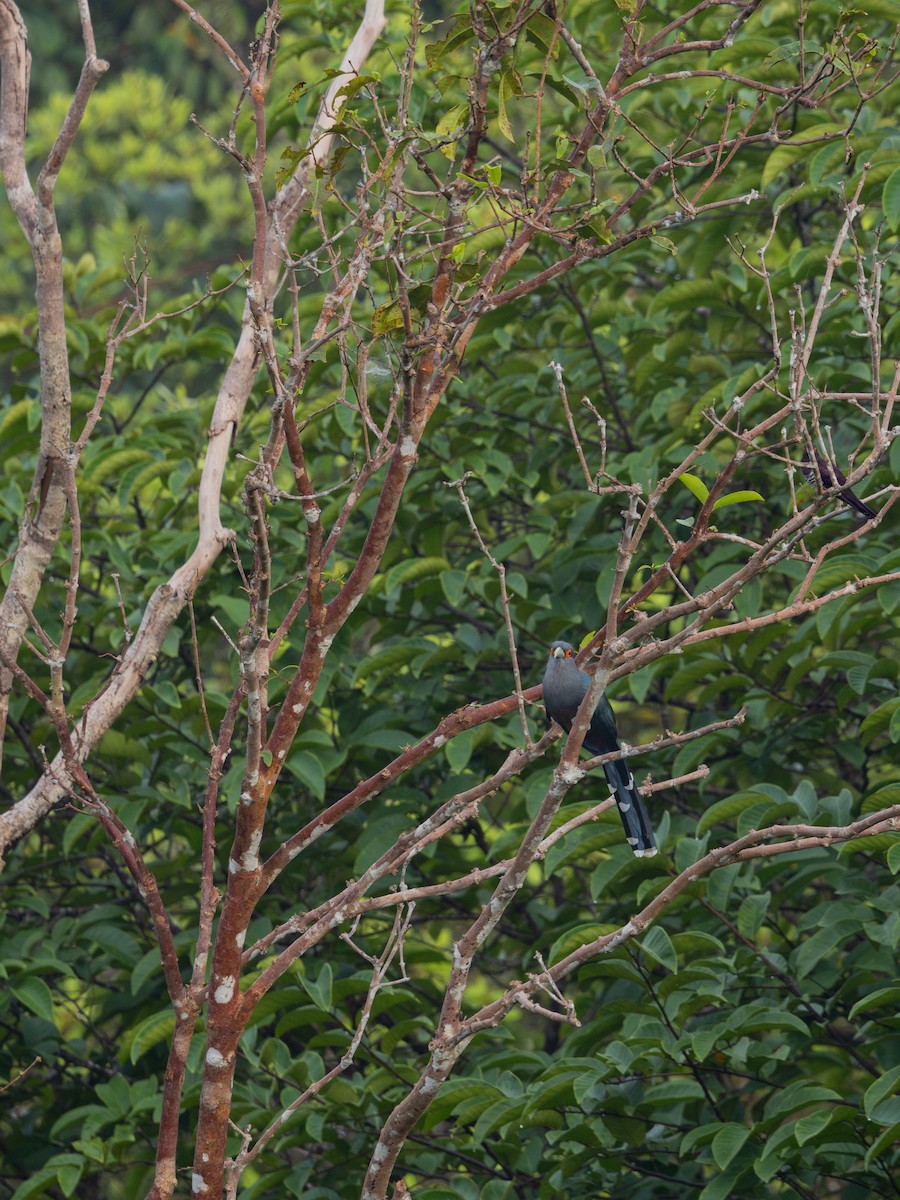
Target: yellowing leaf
column 507, row 89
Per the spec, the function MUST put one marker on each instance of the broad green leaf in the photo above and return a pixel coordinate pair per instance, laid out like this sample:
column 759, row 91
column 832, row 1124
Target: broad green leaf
column 544, row 31
column 307, row 767
column 878, row 1091
column 795, row 1096
column 727, row 1143
column 735, row 498
column 813, row 949
column 44, row 1180
column 811, row 1126
column 144, row 969
column 116, row 1095
column 695, row 485
column 458, row 750
column 752, row 912
column 727, row 810
column 890, row 199
column 657, row 943
column 349, row 89
column 77, row 825
column 453, row 585
column 460, row 33
column 118, row 745
column 887, row 997
column 579, row 936
column 412, row 570
column 887, row 1140
column 703, row 1041
column 34, row 994
column 156, row 1028
column 319, row 989
column 773, row 1019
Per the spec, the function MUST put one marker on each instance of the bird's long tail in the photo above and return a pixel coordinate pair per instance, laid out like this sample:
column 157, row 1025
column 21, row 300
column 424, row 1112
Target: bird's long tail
column 635, row 819
column 849, row 497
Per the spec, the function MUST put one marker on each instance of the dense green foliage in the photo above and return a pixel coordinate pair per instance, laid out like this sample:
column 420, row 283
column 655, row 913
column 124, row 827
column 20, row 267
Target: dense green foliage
column 747, row 1044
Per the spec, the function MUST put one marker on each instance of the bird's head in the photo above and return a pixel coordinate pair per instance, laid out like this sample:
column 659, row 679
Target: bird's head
column 562, row 650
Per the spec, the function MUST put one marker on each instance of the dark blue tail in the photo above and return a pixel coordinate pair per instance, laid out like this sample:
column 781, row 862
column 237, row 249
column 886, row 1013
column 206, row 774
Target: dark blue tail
column 635, row 819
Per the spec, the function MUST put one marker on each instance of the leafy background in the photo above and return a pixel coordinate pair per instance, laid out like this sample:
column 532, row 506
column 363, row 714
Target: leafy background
column 749, row 1045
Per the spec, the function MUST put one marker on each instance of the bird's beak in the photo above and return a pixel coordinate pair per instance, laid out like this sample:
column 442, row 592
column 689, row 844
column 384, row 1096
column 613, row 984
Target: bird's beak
column 558, row 653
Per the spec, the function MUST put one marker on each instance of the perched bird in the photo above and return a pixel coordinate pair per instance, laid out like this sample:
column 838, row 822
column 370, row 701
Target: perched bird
column 565, row 685
column 831, row 475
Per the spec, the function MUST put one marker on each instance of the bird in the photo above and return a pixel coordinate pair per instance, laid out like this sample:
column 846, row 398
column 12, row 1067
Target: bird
column 831, row 474
column 565, row 685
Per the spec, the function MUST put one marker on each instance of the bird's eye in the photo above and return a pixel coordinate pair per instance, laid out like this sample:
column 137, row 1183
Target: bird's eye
column 568, row 654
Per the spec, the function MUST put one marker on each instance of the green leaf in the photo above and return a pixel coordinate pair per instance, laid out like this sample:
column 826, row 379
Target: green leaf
column 695, row 485
column 890, row 199
column 723, row 1187
column 580, row 935
column 306, row 767
column 777, row 1149
column 319, row 989
column 725, row 811
column 797, row 1095
column 413, row 569
column 458, row 750
column 460, row 33
column 156, row 1028
column 69, row 1175
column 703, row 1041
column 353, row 85
column 116, row 1095
column 813, row 949
column 735, row 498
column 34, row 994
column 887, row 1140
column 122, row 946
column 46, row 1179
column 386, row 317
column 116, row 744
column 773, row 1018
column 886, row 997
column 452, row 124
column 882, row 1088
column 145, row 968
column 77, row 825
column 387, row 661
column 811, row 1126
column 787, row 50
column 506, row 90
column 580, row 81
column 494, row 1118
column 236, row 609
column 381, row 833
column 879, row 720
column 665, row 243
column 657, row 943
column 751, row 913
column 727, row 1143
column 453, row 585
column 544, row 31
